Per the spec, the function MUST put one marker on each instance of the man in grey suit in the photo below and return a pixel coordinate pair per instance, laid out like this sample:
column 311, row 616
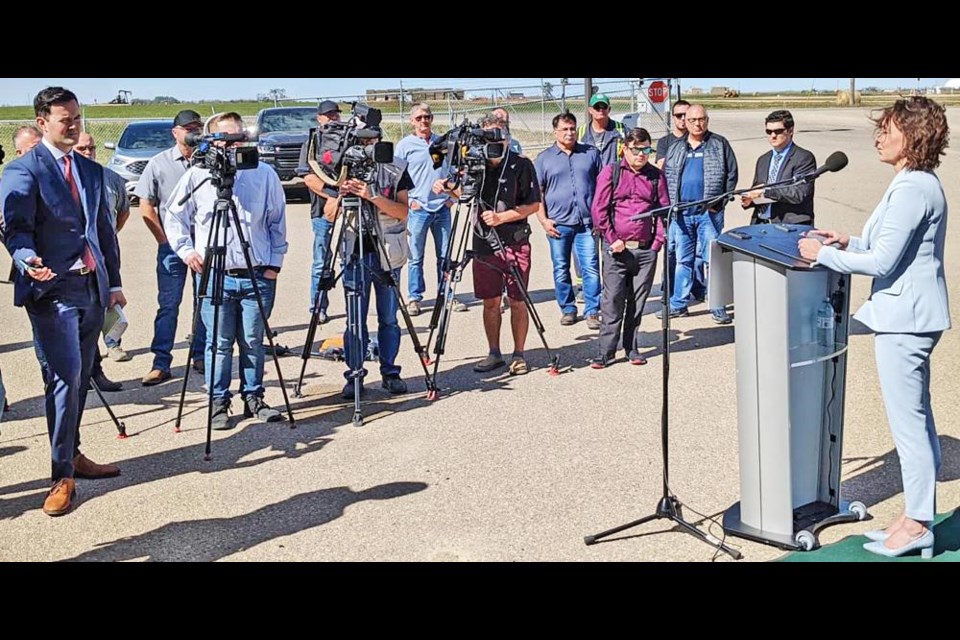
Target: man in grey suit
column 788, row 204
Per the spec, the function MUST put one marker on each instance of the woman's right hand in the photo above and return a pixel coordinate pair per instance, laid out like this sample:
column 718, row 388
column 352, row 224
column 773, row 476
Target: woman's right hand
column 834, row 238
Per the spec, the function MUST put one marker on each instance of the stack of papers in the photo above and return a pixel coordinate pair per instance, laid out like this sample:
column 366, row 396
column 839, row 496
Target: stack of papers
column 114, row 323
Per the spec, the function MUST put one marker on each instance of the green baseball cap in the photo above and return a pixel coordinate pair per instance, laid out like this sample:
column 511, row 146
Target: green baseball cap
column 598, row 98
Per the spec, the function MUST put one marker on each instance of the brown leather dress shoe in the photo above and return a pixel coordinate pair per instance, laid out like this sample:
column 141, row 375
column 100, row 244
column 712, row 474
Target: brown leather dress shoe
column 85, row 468
column 62, row 497
column 155, row 377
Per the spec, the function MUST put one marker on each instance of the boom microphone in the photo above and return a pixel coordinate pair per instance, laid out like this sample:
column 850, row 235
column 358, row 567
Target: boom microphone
column 838, row 160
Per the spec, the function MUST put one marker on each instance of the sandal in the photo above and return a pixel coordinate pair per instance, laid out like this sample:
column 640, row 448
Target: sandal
column 519, row 367
column 488, row 364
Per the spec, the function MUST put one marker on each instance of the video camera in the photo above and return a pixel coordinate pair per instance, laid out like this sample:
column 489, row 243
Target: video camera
column 223, row 161
column 341, row 150
column 466, row 151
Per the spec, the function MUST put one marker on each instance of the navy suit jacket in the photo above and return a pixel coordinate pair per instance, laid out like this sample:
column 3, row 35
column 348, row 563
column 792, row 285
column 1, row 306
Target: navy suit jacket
column 42, row 219
column 792, row 204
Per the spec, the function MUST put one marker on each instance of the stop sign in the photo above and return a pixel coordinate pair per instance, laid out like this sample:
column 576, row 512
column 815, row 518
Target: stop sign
column 657, row 92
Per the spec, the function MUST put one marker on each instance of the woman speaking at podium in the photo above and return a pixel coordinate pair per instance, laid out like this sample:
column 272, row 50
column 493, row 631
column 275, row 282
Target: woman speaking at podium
column 902, row 250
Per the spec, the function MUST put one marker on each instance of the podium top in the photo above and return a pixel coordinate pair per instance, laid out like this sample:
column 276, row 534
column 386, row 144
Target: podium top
column 773, row 243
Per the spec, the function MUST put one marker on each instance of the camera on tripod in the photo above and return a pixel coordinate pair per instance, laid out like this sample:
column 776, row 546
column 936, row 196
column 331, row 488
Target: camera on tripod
column 341, row 151
column 466, row 151
column 223, row 160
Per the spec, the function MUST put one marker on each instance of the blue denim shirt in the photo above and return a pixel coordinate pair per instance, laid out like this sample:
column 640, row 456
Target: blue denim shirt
column 568, row 183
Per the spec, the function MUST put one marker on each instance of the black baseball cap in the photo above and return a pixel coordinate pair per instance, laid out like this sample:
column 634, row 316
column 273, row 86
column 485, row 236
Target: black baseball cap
column 326, row 106
column 187, row 116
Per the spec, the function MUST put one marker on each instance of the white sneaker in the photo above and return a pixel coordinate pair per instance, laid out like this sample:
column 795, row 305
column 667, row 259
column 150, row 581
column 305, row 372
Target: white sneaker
column 117, row 354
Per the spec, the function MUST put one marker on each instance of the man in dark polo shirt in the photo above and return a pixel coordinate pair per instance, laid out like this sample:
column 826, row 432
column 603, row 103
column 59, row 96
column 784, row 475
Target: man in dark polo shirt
column 567, row 175
column 509, row 196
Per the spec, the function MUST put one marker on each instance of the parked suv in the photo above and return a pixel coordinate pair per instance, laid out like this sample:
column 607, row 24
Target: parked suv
column 281, row 133
column 139, row 142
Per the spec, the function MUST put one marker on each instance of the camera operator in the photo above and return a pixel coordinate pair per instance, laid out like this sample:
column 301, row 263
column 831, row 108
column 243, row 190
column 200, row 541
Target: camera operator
column 261, row 207
column 389, row 197
column 509, row 195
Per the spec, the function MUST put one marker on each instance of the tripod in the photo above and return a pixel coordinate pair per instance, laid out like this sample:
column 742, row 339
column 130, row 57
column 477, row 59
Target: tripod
column 214, row 266
column 359, row 213
column 455, row 262
column 670, row 507
column 121, row 427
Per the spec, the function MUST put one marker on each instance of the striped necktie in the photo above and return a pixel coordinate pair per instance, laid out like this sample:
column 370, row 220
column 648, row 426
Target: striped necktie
column 775, row 163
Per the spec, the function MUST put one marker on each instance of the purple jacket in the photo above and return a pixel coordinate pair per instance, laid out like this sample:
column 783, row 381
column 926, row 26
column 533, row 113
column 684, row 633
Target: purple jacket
column 634, row 196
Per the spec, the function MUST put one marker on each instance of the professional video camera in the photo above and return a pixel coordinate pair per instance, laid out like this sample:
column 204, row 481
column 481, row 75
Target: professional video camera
column 223, row 160
column 466, row 150
column 340, row 151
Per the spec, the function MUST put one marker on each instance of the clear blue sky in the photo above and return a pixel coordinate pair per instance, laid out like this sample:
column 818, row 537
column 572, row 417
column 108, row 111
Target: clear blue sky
column 20, row 91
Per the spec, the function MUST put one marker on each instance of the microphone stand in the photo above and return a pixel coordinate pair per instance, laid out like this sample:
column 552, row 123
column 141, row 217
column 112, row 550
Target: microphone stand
column 670, row 507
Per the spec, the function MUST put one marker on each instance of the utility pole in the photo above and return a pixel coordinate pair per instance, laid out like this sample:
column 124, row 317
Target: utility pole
column 587, row 94
column 853, row 92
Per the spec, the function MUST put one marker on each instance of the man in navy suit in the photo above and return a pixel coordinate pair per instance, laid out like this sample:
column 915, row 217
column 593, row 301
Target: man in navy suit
column 791, row 204
column 59, row 234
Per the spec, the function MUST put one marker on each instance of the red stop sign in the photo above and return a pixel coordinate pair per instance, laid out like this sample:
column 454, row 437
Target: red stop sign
column 657, row 92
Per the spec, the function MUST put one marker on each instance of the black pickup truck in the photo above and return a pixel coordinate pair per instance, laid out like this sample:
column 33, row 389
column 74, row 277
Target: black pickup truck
column 281, row 133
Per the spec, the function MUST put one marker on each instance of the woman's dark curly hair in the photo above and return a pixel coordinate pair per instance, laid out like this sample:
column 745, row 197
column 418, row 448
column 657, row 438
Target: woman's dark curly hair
column 926, row 133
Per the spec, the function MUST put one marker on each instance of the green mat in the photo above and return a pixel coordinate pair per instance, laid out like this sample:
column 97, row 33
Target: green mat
column 947, row 549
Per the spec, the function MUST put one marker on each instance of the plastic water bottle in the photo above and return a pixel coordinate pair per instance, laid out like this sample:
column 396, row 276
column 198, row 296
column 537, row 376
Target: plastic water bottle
column 826, row 327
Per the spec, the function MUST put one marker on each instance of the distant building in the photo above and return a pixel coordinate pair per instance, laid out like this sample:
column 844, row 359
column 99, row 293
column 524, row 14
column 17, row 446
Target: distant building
column 694, row 91
column 413, row 95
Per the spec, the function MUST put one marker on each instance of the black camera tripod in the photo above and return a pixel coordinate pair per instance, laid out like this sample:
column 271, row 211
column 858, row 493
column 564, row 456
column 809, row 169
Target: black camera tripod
column 214, row 266
column 359, row 212
column 455, row 262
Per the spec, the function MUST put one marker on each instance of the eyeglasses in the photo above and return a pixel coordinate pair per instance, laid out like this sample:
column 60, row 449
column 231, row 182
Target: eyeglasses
column 680, row 116
column 601, row 107
column 775, row 132
column 696, row 120
column 424, row 118
column 91, row 147
column 642, row 150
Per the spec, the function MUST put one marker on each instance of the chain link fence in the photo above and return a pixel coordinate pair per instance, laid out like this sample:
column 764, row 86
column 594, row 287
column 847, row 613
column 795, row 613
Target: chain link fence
column 532, row 108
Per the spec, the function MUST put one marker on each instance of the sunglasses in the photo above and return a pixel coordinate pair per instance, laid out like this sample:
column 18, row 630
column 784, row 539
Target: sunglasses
column 601, row 107
column 642, row 150
column 680, row 116
column 696, row 120
column 426, row 118
column 92, row 147
column 775, row 132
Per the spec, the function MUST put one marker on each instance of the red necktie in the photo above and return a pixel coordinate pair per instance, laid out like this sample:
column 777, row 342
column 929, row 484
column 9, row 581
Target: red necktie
column 88, row 260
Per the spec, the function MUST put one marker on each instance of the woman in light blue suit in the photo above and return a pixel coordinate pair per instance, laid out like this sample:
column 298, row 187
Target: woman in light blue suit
column 902, row 249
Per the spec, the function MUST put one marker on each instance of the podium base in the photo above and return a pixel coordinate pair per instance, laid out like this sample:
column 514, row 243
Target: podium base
column 808, row 521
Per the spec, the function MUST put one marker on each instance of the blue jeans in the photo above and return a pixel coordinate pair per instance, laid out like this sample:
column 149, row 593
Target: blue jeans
column 699, row 290
column 577, row 239
column 322, row 233
column 693, row 237
column 171, row 278
column 418, row 224
column 388, row 330
column 239, row 322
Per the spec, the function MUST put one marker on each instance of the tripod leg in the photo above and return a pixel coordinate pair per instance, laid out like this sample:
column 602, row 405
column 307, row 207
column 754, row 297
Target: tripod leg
column 355, row 324
column 443, row 328
column 216, row 300
column 446, row 282
column 201, row 292
column 324, row 286
column 121, row 427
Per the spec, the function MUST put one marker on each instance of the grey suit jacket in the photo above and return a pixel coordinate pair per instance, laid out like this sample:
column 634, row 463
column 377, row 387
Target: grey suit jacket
column 902, row 249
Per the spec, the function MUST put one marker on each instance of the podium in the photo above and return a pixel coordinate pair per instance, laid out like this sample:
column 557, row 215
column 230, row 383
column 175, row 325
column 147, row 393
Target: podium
column 790, row 389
